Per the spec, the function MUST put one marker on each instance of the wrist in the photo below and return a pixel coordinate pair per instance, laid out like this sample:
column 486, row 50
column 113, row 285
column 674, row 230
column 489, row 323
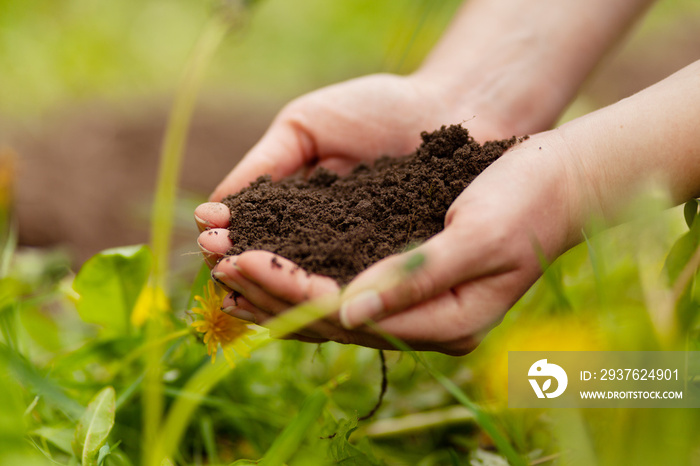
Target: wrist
column 520, row 62
column 504, row 85
column 564, row 199
column 489, row 107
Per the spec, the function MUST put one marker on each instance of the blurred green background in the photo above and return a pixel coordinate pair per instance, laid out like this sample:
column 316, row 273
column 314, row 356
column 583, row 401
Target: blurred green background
column 60, row 53
column 85, row 87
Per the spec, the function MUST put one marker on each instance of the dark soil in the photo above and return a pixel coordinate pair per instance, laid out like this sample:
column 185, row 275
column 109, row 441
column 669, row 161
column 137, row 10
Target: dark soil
column 338, row 226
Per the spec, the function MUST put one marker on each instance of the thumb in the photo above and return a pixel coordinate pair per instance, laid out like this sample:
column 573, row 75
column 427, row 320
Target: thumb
column 403, row 280
column 285, row 148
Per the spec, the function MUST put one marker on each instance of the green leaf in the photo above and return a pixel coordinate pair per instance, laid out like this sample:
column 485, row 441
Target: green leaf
column 94, row 426
column 26, row 373
column 552, row 277
column 60, row 437
column 344, row 452
column 109, row 285
column 209, row 438
column 483, row 418
column 681, row 252
column 103, row 454
column 485, row 458
column 690, row 211
column 687, row 310
column 105, row 451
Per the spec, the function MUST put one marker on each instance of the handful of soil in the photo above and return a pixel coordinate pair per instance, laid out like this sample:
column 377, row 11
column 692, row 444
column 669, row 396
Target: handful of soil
column 339, row 226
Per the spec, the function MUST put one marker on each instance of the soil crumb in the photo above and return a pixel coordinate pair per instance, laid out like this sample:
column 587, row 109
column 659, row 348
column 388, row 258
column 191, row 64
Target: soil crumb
column 339, row 226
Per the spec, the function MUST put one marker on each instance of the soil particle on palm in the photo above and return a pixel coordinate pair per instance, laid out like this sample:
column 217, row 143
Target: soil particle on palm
column 339, row 226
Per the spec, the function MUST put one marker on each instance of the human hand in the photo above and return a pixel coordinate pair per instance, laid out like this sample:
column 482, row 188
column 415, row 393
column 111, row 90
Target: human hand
column 341, row 125
column 531, row 202
column 472, row 272
column 336, row 127
column 485, row 258
column 358, row 120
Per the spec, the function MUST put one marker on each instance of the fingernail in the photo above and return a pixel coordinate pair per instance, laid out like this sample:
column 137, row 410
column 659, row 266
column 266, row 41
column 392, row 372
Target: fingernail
column 211, row 258
column 218, row 278
column 204, row 250
column 239, row 313
column 365, row 305
column 200, row 221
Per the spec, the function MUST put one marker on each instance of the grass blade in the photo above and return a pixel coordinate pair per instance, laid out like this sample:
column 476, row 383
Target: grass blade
column 288, row 442
column 481, row 417
column 163, row 209
column 180, row 414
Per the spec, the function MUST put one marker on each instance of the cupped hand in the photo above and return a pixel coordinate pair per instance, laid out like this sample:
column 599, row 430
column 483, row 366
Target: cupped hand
column 335, row 127
column 470, row 274
column 358, row 120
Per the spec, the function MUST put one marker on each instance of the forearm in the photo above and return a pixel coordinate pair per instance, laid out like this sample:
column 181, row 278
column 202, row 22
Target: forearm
column 524, row 60
column 649, row 138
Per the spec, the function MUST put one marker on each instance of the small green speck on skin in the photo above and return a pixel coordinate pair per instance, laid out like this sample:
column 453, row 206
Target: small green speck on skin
column 414, row 261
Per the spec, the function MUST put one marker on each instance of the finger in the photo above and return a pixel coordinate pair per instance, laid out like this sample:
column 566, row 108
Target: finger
column 403, row 280
column 235, row 305
column 283, row 278
column 229, row 274
column 273, row 282
column 455, row 321
column 285, row 148
column 239, row 307
column 214, row 244
column 211, row 215
column 337, row 164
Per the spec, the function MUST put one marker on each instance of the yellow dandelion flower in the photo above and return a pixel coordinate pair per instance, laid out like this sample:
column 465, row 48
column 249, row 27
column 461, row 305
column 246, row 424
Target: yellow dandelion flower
column 219, row 328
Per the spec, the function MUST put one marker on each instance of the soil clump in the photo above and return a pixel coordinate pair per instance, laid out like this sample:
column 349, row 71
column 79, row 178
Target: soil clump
column 339, row 226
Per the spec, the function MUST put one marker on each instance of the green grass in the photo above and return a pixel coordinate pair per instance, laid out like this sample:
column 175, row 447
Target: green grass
column 56, row 363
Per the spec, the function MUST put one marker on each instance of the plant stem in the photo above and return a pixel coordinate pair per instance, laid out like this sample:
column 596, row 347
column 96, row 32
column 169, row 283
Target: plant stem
column 162, row 221
column 483, row 419
column 173, row 147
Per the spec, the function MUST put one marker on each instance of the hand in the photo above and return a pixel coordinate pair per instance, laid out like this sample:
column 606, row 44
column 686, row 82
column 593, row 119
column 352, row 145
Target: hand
column 533, row 198
column 473, row 271
column 533, row 201
column 358, row 120
column 335, row 127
